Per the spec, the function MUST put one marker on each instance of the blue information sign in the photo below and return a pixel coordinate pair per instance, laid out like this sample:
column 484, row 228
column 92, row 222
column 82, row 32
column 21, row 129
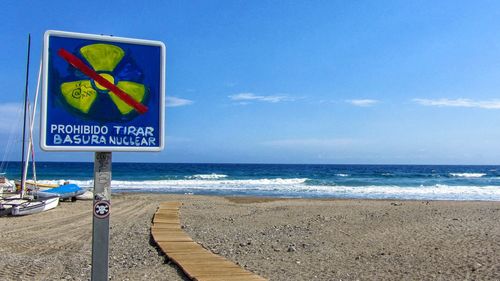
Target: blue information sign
column 102, row 93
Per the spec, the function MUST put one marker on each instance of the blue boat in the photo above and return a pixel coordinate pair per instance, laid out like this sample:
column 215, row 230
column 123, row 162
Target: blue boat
column 66, row 191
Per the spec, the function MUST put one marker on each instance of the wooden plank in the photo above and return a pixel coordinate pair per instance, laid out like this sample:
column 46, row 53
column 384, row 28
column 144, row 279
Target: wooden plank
column 199, row 268
column 205, row 262
column 163, row 223
column 200, row 258
column 166, row 216
column 231, row 278
column 166, row 220
column 198, row 263
column 160, row 238
column 174, row 253
column 216, row 273
column 168, row 208
column 195, row 255
column 180, row 245
column 167, row 231
column 232, row 275
column 199, row 252
column 176, row 204
column 162, row 226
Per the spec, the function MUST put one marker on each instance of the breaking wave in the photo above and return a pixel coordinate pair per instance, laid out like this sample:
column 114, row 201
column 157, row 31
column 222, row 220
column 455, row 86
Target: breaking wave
column 207, row 176
column 300, row 187
column 468, row 175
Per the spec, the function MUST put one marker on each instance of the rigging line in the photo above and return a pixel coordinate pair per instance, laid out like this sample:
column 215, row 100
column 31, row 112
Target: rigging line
column 32, row 123
column 13, row 139
column 30, row 146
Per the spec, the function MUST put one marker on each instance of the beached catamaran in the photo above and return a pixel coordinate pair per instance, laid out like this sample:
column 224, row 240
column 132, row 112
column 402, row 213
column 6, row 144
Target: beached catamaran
column 21, row 204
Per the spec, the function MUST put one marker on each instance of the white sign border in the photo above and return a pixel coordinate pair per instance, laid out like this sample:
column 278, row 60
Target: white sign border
column 43, row 113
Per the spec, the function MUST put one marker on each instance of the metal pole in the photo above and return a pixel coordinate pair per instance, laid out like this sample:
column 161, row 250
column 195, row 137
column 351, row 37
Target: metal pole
column 101, row 211
column 23, row 177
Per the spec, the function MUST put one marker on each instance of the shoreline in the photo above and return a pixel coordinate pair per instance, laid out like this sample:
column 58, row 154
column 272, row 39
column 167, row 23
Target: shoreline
column 277, row 238
column 271, row 198
column 257, row 198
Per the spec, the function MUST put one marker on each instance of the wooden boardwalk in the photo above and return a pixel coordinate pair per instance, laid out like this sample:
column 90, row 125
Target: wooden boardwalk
column 197, row 262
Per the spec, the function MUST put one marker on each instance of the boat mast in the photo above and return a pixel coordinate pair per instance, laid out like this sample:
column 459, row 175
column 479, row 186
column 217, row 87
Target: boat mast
column 23, row 179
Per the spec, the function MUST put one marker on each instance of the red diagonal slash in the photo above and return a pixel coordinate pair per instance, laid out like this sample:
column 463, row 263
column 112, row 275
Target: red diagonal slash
column 80, row 65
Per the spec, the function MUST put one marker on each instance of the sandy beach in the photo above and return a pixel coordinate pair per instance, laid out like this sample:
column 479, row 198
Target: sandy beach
column 279, row 239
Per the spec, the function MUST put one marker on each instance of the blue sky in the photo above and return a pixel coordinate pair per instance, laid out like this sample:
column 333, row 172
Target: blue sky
column 389, row 82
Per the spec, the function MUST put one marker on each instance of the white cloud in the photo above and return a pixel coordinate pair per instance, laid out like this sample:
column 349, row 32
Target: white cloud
column 246, row 97
column 175, row 101
column 362, row 102
column 491, row 104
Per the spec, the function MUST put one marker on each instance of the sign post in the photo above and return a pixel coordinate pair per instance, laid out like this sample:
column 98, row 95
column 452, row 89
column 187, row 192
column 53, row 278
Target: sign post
column 102, row 94
column 100, row 221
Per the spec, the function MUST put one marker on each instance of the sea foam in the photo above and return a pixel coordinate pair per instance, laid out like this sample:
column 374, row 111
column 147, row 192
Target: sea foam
column 212, row 176
column 468, row 175
column 207, row 182
column 299, row 187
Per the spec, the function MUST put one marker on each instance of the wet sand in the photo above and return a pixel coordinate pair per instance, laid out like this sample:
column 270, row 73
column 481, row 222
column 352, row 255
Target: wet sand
column 280, row 239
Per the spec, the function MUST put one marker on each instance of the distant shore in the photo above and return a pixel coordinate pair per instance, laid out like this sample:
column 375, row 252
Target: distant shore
column 280, row 239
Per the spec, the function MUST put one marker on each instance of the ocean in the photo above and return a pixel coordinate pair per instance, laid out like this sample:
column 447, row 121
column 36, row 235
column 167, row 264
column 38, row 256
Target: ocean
column 419, row 182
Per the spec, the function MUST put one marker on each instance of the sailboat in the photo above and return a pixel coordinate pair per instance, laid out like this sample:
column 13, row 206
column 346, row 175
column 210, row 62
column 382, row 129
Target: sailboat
column 22, row 204
column 32, row 205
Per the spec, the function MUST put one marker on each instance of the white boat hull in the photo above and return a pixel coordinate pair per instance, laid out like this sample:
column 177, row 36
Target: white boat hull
column 7, row 203
column 34, row 207
column 88, row 195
